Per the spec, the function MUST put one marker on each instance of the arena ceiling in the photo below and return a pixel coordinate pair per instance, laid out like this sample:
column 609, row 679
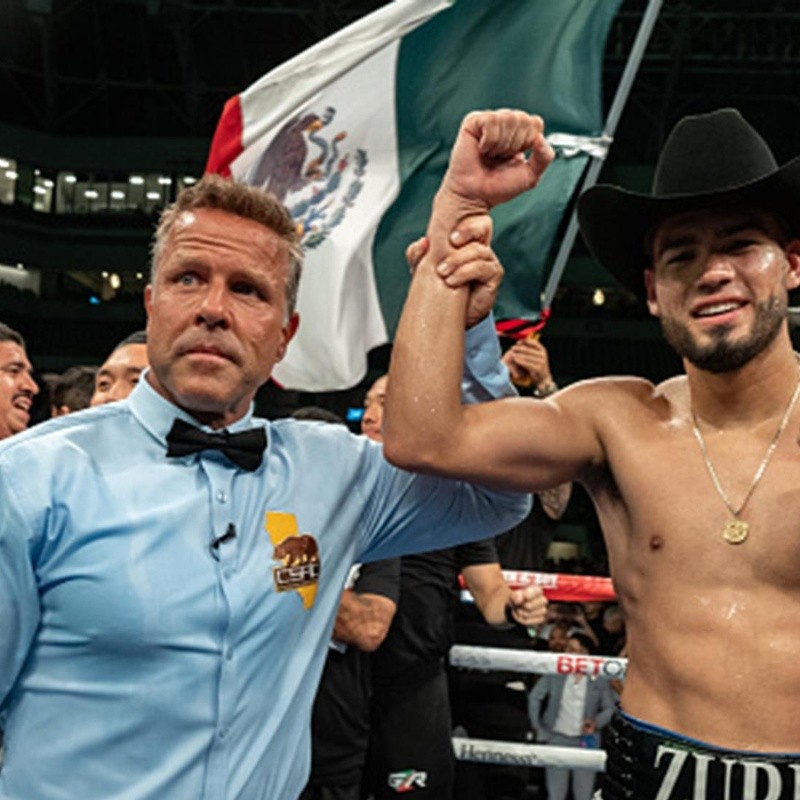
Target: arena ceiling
column 163, row 68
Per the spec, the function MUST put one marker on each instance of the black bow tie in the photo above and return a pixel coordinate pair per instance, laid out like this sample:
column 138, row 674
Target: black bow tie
column 245, row 449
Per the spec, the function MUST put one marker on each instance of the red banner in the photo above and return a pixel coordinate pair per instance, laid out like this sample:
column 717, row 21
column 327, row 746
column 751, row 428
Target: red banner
column 561, row 587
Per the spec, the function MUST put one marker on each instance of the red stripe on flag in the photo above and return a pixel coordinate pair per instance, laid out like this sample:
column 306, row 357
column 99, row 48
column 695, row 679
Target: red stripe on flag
column 227, row 142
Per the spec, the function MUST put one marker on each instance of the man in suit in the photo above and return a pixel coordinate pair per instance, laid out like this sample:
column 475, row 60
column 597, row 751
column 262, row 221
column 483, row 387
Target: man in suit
column 576, row 708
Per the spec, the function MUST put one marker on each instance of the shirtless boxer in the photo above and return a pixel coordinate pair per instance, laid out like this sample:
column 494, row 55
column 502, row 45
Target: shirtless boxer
column 694, row 480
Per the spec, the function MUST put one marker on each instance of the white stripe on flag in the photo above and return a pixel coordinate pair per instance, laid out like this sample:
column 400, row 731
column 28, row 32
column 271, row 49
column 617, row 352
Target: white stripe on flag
column 338, row 300
column 291, row 85
column 350, row 172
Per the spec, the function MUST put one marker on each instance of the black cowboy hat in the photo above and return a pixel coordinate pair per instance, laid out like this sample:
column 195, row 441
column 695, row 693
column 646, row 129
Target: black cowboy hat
column 714, row 160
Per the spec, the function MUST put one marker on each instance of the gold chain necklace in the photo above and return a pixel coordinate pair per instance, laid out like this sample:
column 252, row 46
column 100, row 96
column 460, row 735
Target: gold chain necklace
column 737, row 530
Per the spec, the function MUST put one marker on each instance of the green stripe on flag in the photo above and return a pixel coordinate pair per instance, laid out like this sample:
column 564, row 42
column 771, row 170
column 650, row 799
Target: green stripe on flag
column 543, row 56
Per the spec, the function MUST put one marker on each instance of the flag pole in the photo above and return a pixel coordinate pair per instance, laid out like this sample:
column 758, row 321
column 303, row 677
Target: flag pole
column 595, row 165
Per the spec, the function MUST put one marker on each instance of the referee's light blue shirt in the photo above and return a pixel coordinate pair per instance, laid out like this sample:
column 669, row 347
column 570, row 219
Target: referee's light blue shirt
column 139, row 663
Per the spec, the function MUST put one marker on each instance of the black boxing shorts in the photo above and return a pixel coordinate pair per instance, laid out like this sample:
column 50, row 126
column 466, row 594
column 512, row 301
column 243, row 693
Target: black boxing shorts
column 645, row 762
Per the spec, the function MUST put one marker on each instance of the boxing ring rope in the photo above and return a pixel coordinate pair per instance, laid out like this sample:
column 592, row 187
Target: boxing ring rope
column 558, row 587
column 540, row 663
column 515, row 754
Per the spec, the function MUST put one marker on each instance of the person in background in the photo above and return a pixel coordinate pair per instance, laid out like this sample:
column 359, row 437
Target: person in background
column 72, row 390
column 558, row 635
column 612, row 633
column 120, row 372
column 372, row 419
column 528, row 365
column 570, row 711
column 17, row 386
column 17, row 391
column 593, row 611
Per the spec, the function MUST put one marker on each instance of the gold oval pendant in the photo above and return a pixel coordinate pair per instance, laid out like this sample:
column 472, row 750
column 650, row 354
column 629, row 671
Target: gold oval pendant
column 736, row 531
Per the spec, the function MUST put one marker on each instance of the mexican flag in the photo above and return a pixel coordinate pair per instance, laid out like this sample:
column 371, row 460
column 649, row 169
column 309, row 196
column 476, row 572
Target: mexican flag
column 353, row 135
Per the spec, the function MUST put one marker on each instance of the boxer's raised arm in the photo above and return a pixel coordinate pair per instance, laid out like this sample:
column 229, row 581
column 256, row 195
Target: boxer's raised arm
column 497, row 155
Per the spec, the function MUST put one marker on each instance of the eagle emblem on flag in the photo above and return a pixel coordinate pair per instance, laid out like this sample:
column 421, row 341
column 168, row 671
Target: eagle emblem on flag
column 312, row 174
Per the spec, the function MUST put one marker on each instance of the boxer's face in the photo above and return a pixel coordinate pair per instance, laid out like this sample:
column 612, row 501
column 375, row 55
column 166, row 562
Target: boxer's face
column 720, row 283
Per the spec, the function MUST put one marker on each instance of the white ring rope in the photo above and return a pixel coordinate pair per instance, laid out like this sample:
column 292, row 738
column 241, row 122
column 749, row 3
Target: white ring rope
column 541, row 663
column 485, row 751
column 571, row 588
column 542, row 755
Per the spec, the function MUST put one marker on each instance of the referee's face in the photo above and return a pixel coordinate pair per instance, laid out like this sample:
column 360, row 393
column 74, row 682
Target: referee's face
column 217, row 321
